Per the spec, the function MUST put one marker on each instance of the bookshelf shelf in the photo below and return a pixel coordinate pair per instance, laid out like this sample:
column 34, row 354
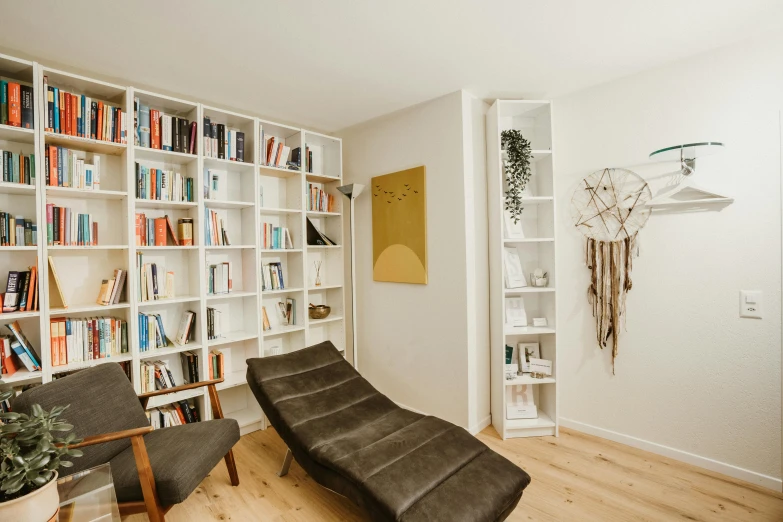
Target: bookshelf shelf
column 17, row 188
column 233, row 379
column 216, row 203
column 316, row 322
column 230, row 295
column 323, row 247
column 22, row 376
column 174, row 348
column 253, row 193
column 67, row 192
column 232, row 337
column 80, row 309
column 17, row 248
column 169, row 300
column 537, row 249
column 143, row 154
column 74, row 142
column 162, row 400
column 163, row 205
column 18, row 134
column 89, row 364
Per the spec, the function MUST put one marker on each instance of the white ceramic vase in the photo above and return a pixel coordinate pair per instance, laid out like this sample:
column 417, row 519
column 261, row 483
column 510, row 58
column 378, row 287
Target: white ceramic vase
column 38, row 506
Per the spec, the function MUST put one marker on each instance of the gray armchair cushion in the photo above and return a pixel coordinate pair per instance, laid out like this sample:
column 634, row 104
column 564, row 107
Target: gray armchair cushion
column 397, row 464
column 180, row 456
column 101, row 399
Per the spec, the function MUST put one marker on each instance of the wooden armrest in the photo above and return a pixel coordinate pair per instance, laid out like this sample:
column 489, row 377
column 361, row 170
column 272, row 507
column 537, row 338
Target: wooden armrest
column 109, row 437
column 183, row 387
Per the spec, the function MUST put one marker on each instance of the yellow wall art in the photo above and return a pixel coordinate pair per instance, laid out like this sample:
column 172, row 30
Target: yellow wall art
column 399, row 226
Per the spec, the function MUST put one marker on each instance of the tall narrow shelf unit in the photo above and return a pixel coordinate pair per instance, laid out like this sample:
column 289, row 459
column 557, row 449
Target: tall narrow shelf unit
column 253, row 194
column 536, row 250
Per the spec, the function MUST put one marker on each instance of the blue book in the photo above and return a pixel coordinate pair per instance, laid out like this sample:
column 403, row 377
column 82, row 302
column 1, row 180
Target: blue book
column 4, row 101
column 22, row 354
column 82, row 126
column 161, row 329
column 56, row 110
column 144, row 125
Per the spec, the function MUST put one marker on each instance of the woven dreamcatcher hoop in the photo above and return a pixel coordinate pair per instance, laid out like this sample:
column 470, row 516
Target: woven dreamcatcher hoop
column 608, row 207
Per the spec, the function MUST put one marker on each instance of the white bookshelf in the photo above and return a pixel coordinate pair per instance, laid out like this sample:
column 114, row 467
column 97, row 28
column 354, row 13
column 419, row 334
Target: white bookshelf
column 536, row 250
column 81, row 269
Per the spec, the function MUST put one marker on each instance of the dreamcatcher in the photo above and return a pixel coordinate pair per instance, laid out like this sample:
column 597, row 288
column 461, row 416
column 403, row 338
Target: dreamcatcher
column 609, row 208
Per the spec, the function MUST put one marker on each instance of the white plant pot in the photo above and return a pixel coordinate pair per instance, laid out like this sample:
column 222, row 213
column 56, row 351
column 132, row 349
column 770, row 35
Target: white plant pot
column 38, row 506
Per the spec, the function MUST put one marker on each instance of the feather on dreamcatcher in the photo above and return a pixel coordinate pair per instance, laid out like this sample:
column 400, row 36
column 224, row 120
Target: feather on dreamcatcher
column 608, row 207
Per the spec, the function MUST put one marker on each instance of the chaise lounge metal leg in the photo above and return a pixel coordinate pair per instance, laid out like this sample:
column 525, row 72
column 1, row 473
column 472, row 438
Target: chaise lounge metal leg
column 286, row 464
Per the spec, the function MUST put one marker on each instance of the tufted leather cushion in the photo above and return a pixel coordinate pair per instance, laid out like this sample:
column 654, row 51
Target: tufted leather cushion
column 397, row 464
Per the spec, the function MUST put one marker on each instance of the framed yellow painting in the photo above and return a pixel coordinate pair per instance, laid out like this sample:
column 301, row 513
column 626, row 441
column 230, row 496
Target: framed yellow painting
column 399, row 226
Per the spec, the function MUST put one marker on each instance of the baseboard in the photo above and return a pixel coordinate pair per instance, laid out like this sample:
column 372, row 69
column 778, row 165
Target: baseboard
column 683, row 456
column 472, row 430
column 483, row 423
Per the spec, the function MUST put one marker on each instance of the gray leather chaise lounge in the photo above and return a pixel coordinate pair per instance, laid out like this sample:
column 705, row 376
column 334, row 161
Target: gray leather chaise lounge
column 396, row 464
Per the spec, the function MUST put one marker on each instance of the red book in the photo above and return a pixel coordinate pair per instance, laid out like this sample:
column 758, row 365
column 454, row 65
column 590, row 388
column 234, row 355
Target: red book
column 138, row 229
column 54, row 342
column 94, row 233
column 63, row 343
column 155, row 128
column 67, row 121
column 193, row 137
column 160, row 231
column 100, row 120
column 75, row 110
column 170, row 228
column 32, row 290
column 14, row 105
column 61, row 106
column 62, row 226
column 52, row 165
column 118, row 126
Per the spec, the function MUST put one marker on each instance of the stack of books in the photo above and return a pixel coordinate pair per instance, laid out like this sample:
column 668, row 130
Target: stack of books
column 214, row 323
column 216, row 364
column 17, row 231
column 21, row 291
column 65, row 227
column 274, row 238
column 162, row 185
column 17, row 351
column 17, row 105
column 187, row 328
column 221, row 143
column 273, row 277
column 154, row 281
column 18, row 168
column 318, row 199
column 287, row 311
column 75, row 340
column 64, row 169
column 112, row 289
column 156, row 376
column 219, row 279
column 316, row 237
column 152, row 335
column 190, row 366
column 79, row 115
column 125, row 365
column 215, row 229
column 275, row 153
column 154, row 231
column 176, row 414
column 156, row 130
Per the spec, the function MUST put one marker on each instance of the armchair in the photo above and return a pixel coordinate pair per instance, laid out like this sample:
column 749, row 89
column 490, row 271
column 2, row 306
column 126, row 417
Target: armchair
column 152, row 469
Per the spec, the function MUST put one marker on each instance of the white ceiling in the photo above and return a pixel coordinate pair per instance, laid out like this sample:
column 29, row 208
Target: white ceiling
column 329, row 64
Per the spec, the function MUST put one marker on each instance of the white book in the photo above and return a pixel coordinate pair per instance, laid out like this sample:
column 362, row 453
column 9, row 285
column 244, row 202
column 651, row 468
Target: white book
column 165, row 132
column 284, row 156
column 512, row 269
column 233, row 145
column 96, row 173
column 515, row 312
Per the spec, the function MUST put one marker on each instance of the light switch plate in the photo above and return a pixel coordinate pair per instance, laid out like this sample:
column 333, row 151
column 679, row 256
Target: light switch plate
column 750, row 303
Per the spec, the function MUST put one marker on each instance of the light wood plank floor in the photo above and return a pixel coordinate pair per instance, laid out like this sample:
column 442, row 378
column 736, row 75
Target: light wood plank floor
column 575, row 477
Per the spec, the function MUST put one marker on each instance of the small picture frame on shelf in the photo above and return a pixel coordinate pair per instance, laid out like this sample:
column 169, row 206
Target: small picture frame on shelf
column 540, row 366
column 540, row 321
column 515, row 312
column 526, row 351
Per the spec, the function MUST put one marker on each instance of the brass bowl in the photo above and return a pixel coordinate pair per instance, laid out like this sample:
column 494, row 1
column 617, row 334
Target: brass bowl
column 319, row 312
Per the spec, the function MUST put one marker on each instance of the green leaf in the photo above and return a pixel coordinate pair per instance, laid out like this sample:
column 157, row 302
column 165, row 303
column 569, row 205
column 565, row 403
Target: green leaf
column 66, row 463
column 39, row 481
column 37, row 410
column 11, row 415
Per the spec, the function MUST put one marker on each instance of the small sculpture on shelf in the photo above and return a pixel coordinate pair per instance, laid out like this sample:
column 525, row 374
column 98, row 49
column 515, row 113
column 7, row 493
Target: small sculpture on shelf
column 539, row 278
column 317, row 265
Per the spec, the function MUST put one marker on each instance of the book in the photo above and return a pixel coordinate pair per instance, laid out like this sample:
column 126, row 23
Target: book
column 216, row 229
column 8, row 363
column 11, row 296
column 14, row 105
column 515, row 312
column 74, row 340
column 186, row 324
column 25, row 344
column 266, row 324
column 315, row 237
column 81, row 116
column 56, row 297
column 319, row 200
column 144, row 126
column 27, row 106
column 163, row 185
column 70, row 228
column 512, row 269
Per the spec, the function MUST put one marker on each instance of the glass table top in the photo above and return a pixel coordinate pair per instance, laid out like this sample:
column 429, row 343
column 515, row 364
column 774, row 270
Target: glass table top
column 687, row 151
column 88, row 496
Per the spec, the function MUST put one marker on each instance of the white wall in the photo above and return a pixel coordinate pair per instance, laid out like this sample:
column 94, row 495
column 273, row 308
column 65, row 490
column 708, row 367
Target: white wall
column 417, row 342
column 693, row 381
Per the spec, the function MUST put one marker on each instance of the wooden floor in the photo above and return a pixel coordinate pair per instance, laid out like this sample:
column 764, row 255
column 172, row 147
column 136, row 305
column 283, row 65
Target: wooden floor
column 575, row 477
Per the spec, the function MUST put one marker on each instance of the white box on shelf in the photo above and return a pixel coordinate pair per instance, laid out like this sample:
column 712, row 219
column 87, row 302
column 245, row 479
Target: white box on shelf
column 540, row 366
column 521, row 411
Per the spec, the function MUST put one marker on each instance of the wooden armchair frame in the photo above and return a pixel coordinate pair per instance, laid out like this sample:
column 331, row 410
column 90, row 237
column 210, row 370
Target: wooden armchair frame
column 151, row 503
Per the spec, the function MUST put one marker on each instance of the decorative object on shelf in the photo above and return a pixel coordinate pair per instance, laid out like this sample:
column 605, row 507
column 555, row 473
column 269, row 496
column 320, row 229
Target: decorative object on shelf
column 539, row 278
column 515, row 312
column 517, row 168
column 609, row 207
column 524, row 352
column 540, row 366
column 686, row 193
column 511, row 368
column 399, row 227
column 539, row 321
column 521, row 403
column 319, row 311
column 512, row 269
column 317, row 265
column 32, row 451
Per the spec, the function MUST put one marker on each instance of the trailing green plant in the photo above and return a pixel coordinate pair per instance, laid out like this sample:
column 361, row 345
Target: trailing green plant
column 30, row 452
column 517, row 166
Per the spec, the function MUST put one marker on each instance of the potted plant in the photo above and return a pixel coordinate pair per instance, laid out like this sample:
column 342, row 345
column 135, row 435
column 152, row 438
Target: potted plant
column 30, row 454
column 517, row 166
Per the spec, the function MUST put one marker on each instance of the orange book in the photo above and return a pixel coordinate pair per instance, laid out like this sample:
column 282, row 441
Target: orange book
column 153, row 182
column 52, row 165
column 94, row 233
column 14, row 105
column 61, row 105
column 118, row 134
column 220, row 365
column 54, row 342
column 77, row 108
column 62, row 226
column 37, row 288
column 211, row 373
column 160, row 231
column 63, row 342
column 178, row 409
column 67, row 122
column 138, row 229
column 31, row 290
column 9, row 364
column 155, row 129
column 171, row 230
column 100, row 120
